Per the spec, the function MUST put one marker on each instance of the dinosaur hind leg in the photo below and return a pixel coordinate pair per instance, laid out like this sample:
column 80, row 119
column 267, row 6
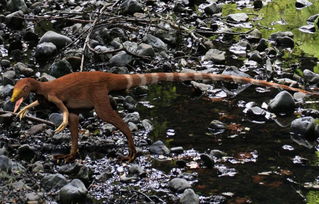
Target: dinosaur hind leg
column 104, row 111
column 73, row 126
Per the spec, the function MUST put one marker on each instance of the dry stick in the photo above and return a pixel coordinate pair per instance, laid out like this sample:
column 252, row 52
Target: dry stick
column 34, row 18
column 88, row 36
column 10, row 114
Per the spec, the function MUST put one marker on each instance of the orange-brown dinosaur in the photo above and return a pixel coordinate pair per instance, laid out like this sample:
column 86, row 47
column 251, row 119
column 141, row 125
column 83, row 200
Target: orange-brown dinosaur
column 84, row 90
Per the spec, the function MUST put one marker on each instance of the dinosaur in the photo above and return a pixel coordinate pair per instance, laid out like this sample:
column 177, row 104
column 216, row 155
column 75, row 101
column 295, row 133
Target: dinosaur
column 88, row 90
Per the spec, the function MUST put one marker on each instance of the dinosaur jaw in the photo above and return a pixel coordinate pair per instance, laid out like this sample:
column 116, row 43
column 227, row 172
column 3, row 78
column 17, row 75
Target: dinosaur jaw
column 17, row 104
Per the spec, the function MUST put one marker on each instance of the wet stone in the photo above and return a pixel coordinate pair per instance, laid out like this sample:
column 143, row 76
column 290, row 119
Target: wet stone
column 313, row 18
column 213, row 9
column 159, row 148
column 58, row 39
column 238, row 17
column 60, row 68
column 5, row 164
column 147, row 125
column 45, row 50
column 311, row 77
column 217, row 127
column 281, row 34
column 131, row 7
column 262, row 45
column 179, row 184
column 214, row 55
column 23, row 69
column 258, row 4
column 285, row 42
column 189, row 197
column 5, row 90
column 282, row 103
column 308, row 29
column 36, row 129
column 304, row 126
column 121, row 59
column 15, row 20
column 73, row 192
column 56, row 118
column 217, row 153
column 132, row 126
column 132, row 117
column 53, row 181
column 155, row 42
column 302, row 4
column 16, row 5
column 8, row 77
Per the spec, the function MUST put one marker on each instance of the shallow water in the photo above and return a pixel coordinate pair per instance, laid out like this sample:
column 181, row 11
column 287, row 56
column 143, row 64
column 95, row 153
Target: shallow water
column 263, row 163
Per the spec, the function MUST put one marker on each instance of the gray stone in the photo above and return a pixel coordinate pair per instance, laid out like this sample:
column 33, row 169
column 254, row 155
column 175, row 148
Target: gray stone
column 131, row 7
column 214, row 55
column 147, row 125
column 136, row 170
column 121, row 59
column 23, row 69
column 310, row 76
column 15, row 20
column 238, row 17
column 254, row 35
column 5, row 90
column 73, row 192
column 159, row 148
column 15, row 5
column 308, row 28
column 132, row 117
column 281, row 34
column 46, row 77
column 213, row 9
column 179, row 184
column 36, row 129
column 5, row 63
column 53, row 181
column 8, row 77
column 45, row 50
column 189, row 197
column 5, row 164
column 33, row 198
column 37, row 167
column 155, row 42
column 304, row 126
column 55, row 38
column 282, row 103
column 56, row 118
column 60, row 68
column 145, row 50
column 132, row 126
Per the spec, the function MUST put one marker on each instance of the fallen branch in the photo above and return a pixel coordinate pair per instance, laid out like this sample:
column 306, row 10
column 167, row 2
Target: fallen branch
column 9, row 114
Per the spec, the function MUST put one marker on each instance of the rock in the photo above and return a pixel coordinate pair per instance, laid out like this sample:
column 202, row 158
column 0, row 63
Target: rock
column 308, row 28
column 213, row 8
column 254, row 35
column 37, row 167
column 238, row 17
column 262, row 45
column 136, row 170
column 217, row 153
column 26, row 152
column 179, row 184
column 5, row 164
column 55, row 38
column 282, row 103
column 16, row 5
column 145, row 50
column 177, row 150
column 240, row 48
column 311, row 77
column 85, row 174
column 6, row 91
column 60, row 68
column 36, row 129
column 132, row 126
column 258, row 4
column 159, row 148
column 53, row 181
column 131, row 7
column 121, row 59
column 8, row 77
column 46, row 77
column 189, row 197
column 73, row 192
column 285, row 42
column 155, row 42
column 147, row 125
column 5, row 63
column 23, row 69
column 15, row 20
column 33, row 198
column 217, row 127
column 275, row 36
column 313, row 18
column 214, row 55
column 304, row 126
column 132, row 117
column 207, row 160
column 45, row 50
column 302, row 4
column 130, row 103
column 202, row 87
column 255, row 56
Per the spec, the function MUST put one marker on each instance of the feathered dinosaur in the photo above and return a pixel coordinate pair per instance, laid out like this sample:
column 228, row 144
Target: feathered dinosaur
column 87, row 90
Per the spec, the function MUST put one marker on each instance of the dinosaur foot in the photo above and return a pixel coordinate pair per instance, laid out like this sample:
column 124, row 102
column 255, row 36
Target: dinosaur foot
column 66, row 158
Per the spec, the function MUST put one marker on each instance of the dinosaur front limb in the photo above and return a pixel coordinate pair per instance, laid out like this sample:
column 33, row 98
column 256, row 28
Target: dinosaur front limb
column 23, row 112
column 63, row 109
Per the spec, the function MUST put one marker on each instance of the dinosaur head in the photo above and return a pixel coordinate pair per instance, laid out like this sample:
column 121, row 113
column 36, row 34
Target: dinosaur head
column 20, row 92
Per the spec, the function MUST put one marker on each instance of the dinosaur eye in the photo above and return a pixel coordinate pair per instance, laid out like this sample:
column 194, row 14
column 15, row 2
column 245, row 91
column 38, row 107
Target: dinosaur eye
column 26, row 88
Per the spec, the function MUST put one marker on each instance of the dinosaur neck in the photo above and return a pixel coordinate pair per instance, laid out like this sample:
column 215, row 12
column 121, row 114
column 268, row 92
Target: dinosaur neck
column 36, row 86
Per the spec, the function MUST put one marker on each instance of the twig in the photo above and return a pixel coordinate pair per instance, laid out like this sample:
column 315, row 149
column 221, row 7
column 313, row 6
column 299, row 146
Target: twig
column 88, row 36
column 34, row 18
column 11, row 114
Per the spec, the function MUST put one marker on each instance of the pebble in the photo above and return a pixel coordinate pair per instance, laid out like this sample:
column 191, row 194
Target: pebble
column 73, row 192
column 189, row 197
column 282, row 103
column 159, row 148
column 179, row 184
column 53, row 181
column 58, row 39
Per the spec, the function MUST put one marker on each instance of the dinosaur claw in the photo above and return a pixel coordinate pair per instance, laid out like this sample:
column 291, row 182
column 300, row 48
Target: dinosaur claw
column 61, row 127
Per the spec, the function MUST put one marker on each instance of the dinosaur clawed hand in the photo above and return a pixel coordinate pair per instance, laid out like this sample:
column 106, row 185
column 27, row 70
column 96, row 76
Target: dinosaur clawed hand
column 61, row 127
column 66, row 158
column 23, row 112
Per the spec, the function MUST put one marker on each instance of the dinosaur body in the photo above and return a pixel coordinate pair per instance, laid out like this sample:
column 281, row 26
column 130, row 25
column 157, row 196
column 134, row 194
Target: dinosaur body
column 87, row 90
